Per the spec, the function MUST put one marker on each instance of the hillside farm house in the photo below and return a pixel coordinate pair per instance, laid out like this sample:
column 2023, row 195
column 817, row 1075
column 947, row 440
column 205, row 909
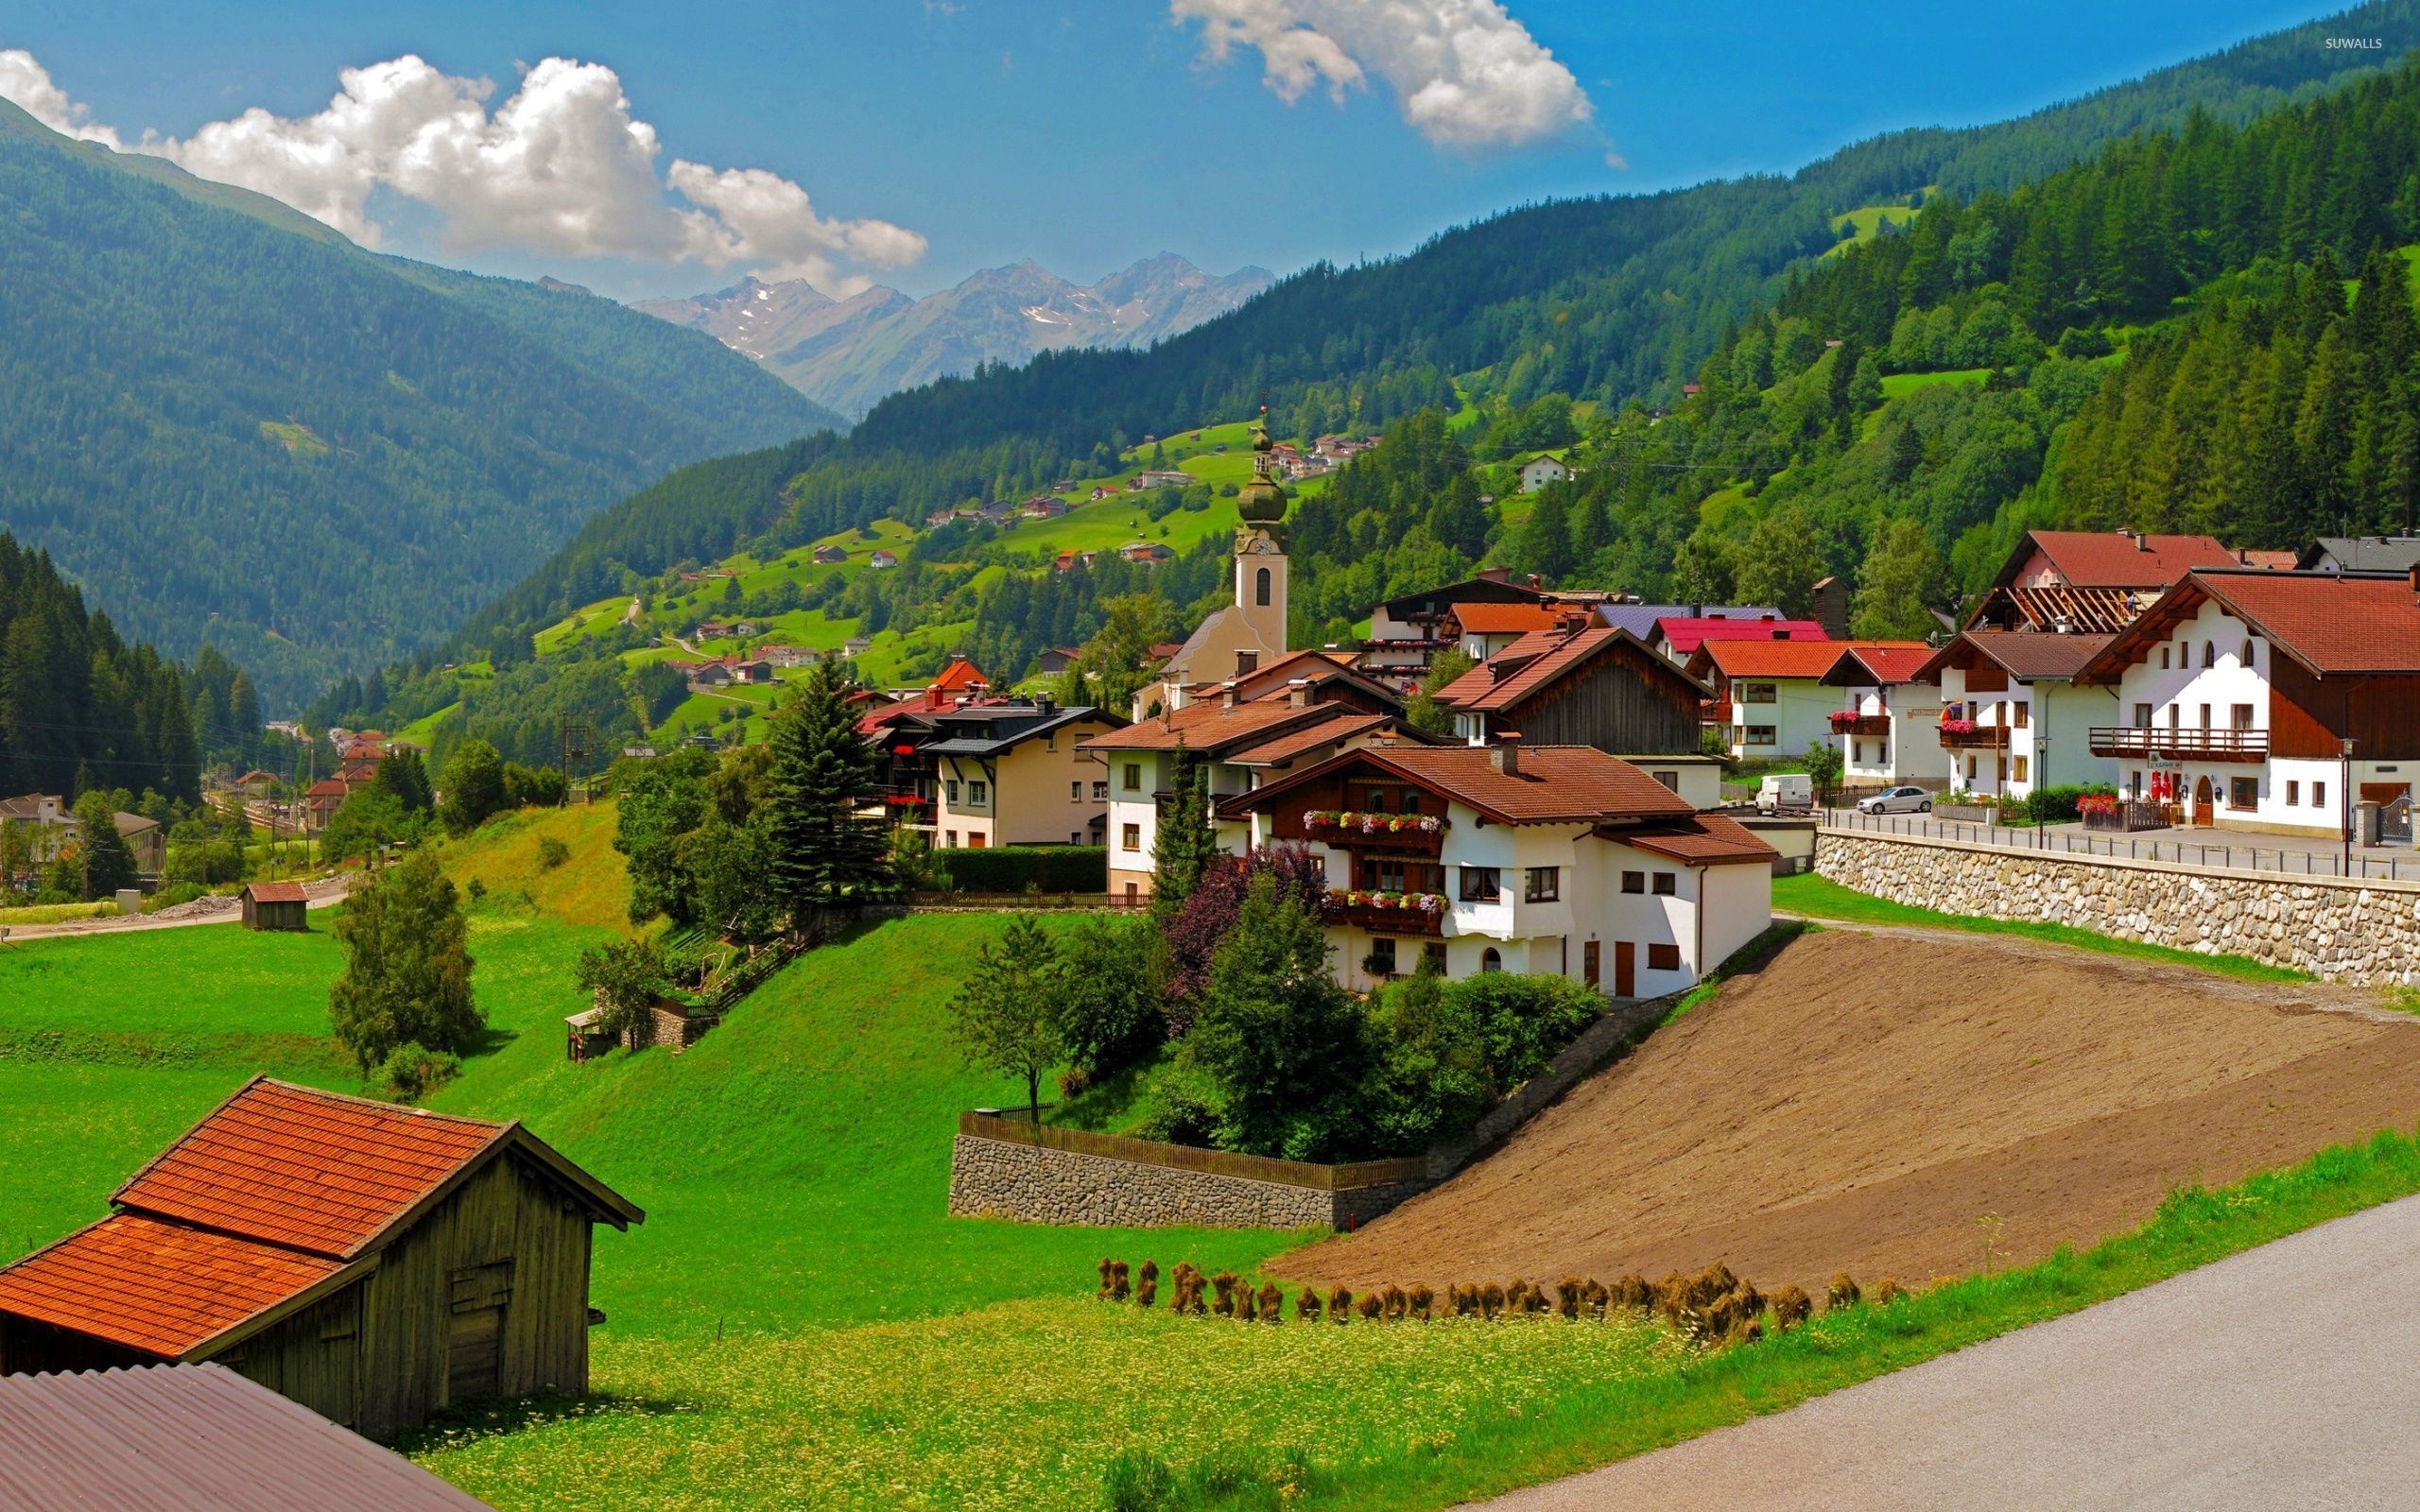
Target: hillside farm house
column 373, row 1263
column 276, row 905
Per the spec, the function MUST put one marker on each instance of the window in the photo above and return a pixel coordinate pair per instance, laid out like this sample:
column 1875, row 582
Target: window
column 1382, row 949
column 1667, row 883
column 1129, row 838
column 950, row 839
column 1260, row 597
column 2210, row 653
column 2022, row 715
column 1758, row 693
column 1970, row 770
column 1433, row 955
column 2205, row 716
column 1076, row 792
column 2293, row 794
column 1634, row 881
column 1388, row 876
column 1133, row 779
column 2163, row 658
column 2175, row 715
column 979, row 795
column 1670, row 779
column 1857, row 753
column 2241, row 716
column 950, row 788
column 2245, row 656
column 2135, row 784
column 1542, row 884
column 2244, row 792
column 1482, row 884
column 2020, row 768
column 2142, row 717
column 1761, row 735
column 1663, row 958
column 2319, row 795
column 1100, row 792
column 1247, row 661
column 1491, row 960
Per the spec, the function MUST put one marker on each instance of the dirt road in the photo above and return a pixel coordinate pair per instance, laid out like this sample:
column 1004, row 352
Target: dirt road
column 1904, row 1106
column 325, row 893
column 2272, row 1378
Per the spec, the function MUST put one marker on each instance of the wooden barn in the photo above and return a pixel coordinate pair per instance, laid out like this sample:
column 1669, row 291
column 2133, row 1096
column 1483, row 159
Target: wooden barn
column 373, row 1263
column 281, row 905
column 1580, row 686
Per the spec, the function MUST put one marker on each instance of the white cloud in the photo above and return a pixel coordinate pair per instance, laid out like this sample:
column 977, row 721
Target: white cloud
column 560, row 168
column 26, row 84
column 1464, row 73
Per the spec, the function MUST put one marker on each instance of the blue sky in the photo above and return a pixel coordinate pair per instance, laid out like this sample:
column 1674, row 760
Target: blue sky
column 935, row 139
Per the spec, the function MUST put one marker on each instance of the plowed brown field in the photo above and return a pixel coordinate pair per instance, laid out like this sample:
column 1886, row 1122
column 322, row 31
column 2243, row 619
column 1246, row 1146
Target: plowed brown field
column 1894, row 1104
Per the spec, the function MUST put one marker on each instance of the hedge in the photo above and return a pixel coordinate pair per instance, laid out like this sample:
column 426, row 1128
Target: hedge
column 1026, row 868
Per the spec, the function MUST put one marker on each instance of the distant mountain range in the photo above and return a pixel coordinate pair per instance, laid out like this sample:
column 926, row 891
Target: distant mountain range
column 233, row 425
column 851, row 354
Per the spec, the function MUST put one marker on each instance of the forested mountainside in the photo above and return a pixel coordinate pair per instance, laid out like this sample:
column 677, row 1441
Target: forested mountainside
column 81, row 709
column 235, row 426
column 1602, row 300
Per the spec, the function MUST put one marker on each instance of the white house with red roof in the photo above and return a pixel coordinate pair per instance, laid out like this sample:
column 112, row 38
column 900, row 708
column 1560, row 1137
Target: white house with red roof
column 1556, row 859
column 2012, row 719
column 2256, row 699
column 2091, row 582
column 1888, row 727
column 1769, row 700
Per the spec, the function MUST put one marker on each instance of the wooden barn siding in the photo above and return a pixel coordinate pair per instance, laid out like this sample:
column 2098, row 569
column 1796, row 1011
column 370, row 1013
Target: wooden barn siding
column 2308, row 717
column 1612, row 706
column 397, row 1362
column 29, row 1348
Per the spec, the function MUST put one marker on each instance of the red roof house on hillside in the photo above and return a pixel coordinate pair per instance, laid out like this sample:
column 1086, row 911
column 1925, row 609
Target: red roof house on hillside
column 373, row 1262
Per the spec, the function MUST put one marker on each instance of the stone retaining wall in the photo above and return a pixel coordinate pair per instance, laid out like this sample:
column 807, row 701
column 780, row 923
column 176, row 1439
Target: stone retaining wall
column 2345, row 931
column 998, row 1170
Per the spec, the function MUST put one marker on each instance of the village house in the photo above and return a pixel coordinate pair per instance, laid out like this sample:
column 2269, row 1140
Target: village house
column 900, row 728
column 2092, row 582
column 1103, row 490
column 1541, row 470
column 1407, row 631
column 2263, row 700
column 373, row 1262
column 1555, row 859
column 1242, row 734
column 882, row 559
column 1888, row 727
column 1147, row 551
column 1768, row 696
column 2007, row 702
column 1055, row 659
column 277, row 907
column 321, row 800
column 1584, row 684
column 1015, row 774
column 830, row 555
column 857, row 646
column 1148, row 479
column 1678, row 636
column 145, row 841
column 1479, row 630
column 789, row 656
column 2359, row 554
column 256, row 783
column 1045, row 508
column 39, row 825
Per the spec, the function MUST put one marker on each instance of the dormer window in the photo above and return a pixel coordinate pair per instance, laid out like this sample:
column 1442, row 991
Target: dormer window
column 2247, row 653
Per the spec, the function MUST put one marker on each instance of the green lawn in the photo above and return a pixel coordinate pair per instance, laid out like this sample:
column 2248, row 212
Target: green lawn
column 1900, row 384
column 1822, row 898
column 1868, row 221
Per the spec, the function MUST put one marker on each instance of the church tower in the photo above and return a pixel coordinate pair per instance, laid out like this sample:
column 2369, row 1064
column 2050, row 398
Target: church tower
column 1260, row 546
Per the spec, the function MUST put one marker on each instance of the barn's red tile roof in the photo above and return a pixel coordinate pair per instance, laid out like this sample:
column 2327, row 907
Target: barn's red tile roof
column 1542, row 657
column 306, row 1169
column 2114, row 558
column 278, row 892
column 159, row 1287
column 1706, row 840
column 1551, row 783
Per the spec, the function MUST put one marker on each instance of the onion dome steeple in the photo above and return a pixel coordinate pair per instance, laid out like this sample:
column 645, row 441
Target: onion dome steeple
column 1262, row 502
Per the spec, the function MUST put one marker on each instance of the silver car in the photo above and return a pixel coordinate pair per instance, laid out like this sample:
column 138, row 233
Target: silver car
column 1896, row 800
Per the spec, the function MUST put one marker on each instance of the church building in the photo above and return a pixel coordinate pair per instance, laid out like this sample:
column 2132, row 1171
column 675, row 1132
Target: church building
column 1243, row 636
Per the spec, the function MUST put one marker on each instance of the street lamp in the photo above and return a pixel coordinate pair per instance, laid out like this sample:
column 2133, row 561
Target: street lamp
column 2345, row 802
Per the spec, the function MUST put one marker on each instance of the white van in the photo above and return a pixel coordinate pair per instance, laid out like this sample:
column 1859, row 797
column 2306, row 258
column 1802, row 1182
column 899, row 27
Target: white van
column 1784, row 790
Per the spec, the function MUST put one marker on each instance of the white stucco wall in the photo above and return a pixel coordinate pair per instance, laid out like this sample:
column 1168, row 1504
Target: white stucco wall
column 1801, row 713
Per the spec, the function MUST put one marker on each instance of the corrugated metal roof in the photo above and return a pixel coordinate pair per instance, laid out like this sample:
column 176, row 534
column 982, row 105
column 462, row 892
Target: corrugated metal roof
column 192, row 1439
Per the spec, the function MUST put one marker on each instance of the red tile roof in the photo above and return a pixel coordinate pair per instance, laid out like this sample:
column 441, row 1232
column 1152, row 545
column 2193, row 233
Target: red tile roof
column 2334, row 623
column 960, row 676
column 1536, row 661
column 278, row 892
column 1505, row 619
column 2113, row 559
column 1769, row 658
column 1293, row 742
column 159, row 1287
column 308, row 1169
column 1707, row 840
column 1684, row 634
column 1209, row 727
column 2025, row 654
column 1871, row 663
column 1552, row 784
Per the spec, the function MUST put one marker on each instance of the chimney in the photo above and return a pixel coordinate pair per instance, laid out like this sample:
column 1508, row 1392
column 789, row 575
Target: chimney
column 1298, row 692
column 1046, row 706
column 1534, row 581
column 1227, row 695
column 2142, row 542
column 1505, row 755
column 2415, row 578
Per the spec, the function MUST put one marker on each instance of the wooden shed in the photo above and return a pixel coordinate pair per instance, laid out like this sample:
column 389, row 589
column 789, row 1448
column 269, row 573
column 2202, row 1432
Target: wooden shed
column 276, row 905
column 373, row 1263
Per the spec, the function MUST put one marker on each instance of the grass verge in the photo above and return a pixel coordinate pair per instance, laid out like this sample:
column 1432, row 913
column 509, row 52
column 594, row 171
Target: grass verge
column 1822, row 898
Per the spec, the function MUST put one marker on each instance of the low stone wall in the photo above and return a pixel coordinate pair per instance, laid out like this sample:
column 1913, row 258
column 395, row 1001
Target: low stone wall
column 1006, row 1168
column 2345, row 931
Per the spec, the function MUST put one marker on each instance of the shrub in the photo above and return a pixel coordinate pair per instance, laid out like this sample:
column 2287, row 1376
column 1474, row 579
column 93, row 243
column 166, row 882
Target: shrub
column 552, row 853
column 412, row 1071
column 1029, row 867
column 1112, row 983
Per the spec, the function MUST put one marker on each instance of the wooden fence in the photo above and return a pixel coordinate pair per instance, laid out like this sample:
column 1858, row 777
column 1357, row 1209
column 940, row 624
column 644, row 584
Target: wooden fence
column 1012, row 902
column 1019, row 1130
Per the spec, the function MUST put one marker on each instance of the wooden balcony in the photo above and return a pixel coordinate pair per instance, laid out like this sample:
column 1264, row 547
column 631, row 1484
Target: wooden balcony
column 2143, row 743
column 1847, row 722
column 1371, row 831
column 1402, row 915
column 1965, row 734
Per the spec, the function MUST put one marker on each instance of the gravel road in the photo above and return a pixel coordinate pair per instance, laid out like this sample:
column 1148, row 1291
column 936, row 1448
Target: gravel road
column 2288, row 1376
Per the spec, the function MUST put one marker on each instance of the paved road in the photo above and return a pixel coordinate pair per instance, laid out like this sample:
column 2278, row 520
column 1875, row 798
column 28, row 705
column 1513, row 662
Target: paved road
column 2286, row 1377
column 325, row 892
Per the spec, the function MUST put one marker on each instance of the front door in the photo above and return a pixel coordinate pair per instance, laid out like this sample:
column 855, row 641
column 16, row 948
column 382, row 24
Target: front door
column 474, row 1354
column 2204, row 803
column 1588, row 963
column 1625, row 969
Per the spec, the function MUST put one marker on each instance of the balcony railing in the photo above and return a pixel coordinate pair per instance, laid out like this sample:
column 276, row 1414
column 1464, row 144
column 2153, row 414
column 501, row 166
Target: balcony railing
column 2146, row 742
column 1847, row 722
column 1347, row 830
column 1965, row 734
column 1385, row 913
column 1715, row 711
